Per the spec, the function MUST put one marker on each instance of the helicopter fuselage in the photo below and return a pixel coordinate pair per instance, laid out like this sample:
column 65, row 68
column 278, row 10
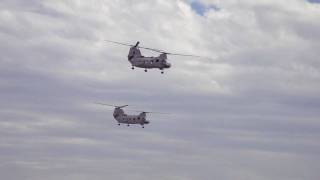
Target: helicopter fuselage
column 150, row 63
column 123, row 118
column 137, row 60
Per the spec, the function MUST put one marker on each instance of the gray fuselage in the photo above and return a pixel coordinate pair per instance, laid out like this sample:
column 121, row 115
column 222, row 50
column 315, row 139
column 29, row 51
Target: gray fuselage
column 121, row 117
column 137, row 60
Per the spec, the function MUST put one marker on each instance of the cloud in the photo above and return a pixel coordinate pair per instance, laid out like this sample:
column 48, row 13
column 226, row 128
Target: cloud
column 250, row 112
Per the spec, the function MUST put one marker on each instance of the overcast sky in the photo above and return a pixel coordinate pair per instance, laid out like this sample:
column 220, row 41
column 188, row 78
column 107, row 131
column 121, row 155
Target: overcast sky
column 250, row 112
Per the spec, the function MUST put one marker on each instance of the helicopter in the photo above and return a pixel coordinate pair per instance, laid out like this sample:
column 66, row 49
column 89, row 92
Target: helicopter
column 122, row 118
column 138, row 60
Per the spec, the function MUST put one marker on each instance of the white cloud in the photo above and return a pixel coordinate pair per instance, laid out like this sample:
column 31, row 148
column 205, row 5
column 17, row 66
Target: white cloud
column 251, row 113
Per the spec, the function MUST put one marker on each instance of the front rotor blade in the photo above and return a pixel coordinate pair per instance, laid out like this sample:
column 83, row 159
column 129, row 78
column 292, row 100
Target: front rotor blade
column 124, row 44
column 105, row 104
column 112, row 105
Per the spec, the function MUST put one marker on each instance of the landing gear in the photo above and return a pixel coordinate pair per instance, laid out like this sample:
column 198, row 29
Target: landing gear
column 145, row 70
column 132, row 68
column 142, row 126
column 128, row 125
column 162, row 72
column 118, row 124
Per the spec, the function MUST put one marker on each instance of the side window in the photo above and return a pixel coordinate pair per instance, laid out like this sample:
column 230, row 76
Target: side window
column 157, row 60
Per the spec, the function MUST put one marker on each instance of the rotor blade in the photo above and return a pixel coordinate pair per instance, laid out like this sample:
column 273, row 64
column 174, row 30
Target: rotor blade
column 124, row 44
column 131, row 45
column 111, row 105
column 151, row 49
column 147, row 111
column 188, row 55
column 157, row 50
column 152, row 112
column 105, row 104
column 174, row 54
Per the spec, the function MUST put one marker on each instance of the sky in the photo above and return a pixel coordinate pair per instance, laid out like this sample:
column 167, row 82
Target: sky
column 251, row 111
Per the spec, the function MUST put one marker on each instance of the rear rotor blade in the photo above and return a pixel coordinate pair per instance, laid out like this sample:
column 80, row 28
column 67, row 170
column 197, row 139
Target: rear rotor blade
column 151, row 49
column 188, row 55
column 153, row 112
column 169, row 53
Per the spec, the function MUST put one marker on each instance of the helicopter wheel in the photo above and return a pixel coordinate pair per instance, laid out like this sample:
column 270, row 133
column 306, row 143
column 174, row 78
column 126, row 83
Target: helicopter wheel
column 118, row 124
column 162, row 72
column 142, row 126
column 128, row 125
column 145, row 70
column 132, row 68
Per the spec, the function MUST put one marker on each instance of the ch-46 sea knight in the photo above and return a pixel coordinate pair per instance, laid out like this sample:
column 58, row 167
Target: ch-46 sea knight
column 136, row 58
column 122, row 118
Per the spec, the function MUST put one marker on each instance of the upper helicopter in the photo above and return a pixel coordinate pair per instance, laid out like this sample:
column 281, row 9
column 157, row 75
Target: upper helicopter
column 138, row 60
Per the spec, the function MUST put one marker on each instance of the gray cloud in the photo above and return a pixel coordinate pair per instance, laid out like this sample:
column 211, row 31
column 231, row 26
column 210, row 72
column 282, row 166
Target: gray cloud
column 251, row 113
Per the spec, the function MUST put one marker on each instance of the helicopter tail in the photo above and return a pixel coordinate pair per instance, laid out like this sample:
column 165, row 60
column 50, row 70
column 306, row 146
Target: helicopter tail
column 143, row 114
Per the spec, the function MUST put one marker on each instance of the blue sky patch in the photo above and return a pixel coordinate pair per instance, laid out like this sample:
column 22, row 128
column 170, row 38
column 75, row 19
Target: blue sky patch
column 200, row 8
column 314, row 1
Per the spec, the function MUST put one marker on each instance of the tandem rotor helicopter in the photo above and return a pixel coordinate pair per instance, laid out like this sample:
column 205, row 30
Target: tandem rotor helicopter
column 122, row 118
column 138, row 60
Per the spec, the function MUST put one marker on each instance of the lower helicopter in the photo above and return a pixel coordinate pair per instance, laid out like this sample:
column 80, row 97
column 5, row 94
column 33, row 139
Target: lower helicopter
column 122, row 118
